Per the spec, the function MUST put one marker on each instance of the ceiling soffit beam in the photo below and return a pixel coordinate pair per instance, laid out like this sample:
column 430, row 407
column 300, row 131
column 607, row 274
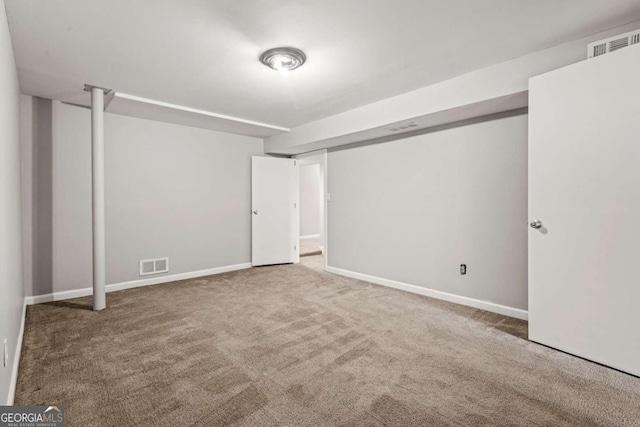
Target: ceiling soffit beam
column 415, row 126
column 487, row 87
column 136, row 106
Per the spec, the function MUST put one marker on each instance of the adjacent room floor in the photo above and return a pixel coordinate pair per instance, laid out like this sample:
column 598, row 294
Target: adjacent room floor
column 310, row 246
column 293, row 345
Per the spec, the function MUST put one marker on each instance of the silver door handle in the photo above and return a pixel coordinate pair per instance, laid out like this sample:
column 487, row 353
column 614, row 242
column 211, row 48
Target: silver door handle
column 255, row 212
column 536, row 224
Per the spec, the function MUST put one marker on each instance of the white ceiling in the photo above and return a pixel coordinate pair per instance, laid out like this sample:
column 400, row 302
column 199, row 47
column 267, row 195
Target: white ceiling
column 203, row 53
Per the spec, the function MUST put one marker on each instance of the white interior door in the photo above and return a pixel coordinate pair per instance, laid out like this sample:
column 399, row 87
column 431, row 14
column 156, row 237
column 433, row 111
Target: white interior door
column 275, row 218
column 584, row 187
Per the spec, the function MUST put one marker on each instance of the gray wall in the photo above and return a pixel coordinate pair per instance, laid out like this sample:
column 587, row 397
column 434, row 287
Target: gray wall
column 414, row 209
column 171, row 191
column 310, row 200
column 11, row 271
column 71, row 205
column 36, row 135
column 176, row 191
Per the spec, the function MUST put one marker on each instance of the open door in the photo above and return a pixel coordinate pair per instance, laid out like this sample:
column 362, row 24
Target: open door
column 584, row 206
column 274, row 211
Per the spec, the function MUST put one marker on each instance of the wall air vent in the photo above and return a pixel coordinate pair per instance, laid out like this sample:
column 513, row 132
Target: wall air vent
column 403, row 127
column 613, row 43
column 154, row 266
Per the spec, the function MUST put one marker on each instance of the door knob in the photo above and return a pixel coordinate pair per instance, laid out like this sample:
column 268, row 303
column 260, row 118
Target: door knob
column 536, row 224
column 255, row 212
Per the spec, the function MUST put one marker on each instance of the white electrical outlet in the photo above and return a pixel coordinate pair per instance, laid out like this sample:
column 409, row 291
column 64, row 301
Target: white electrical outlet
column 5, row 354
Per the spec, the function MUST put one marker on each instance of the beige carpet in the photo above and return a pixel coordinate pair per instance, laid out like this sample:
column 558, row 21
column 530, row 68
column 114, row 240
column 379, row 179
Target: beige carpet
column 292, row 345
column 310, row 247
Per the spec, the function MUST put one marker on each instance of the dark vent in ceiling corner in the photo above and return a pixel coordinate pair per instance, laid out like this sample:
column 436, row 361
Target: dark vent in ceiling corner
column 612, row 44
column 618, row 44
column 600, row 49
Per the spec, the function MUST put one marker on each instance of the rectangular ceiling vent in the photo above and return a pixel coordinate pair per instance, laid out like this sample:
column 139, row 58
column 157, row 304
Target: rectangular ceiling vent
column 406, row 126
column 613, row 43
column 154, row 266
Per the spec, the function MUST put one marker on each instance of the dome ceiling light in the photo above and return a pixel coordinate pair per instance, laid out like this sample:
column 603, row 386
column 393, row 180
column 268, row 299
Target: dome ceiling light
column 283, row 59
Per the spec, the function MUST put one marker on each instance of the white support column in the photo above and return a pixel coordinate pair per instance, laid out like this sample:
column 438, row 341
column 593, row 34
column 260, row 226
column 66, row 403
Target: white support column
column 98, row 212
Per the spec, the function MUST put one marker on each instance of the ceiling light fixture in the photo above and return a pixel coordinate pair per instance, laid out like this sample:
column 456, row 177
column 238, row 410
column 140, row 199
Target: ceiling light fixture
column 283, row 59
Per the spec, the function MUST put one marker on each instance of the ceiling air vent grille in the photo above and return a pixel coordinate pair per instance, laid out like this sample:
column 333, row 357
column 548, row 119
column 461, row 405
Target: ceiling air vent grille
column 154, row 266
column 406, row 126
column 612, row 44
column 600, row 49
column 618, row 44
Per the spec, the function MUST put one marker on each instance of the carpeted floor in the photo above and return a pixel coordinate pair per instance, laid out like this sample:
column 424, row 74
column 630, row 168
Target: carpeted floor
column 293, row 345
column 310, row 247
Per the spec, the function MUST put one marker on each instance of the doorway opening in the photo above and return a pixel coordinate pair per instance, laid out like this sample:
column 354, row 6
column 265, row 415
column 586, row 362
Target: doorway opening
column 312, row 208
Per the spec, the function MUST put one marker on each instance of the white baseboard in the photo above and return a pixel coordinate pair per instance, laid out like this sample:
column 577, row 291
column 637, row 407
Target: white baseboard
column 58, row 296
column 458, row 299
column 310, row 236
column 175, row 277
column 76, row 293
column 16, row 358
column 322, row 249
